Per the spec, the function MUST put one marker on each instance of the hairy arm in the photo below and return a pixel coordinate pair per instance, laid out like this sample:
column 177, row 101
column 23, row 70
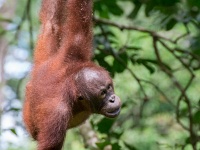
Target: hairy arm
column 52, row 16
column 77, row 38
column 53, row 126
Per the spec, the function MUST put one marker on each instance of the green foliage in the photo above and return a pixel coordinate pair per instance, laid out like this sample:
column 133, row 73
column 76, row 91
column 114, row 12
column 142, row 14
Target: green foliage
column 105, row 125
column 103, row 7
column 120, row 67
column 196, row 117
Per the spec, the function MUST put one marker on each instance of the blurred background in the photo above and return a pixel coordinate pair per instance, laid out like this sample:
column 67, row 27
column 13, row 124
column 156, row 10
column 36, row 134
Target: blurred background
column 152, row 50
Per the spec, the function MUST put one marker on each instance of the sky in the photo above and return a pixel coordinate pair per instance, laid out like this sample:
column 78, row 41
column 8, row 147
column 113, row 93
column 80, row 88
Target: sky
column 16, row 66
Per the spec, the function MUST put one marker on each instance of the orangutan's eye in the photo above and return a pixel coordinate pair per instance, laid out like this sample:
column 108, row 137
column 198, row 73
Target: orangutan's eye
column 109, row 87
column 103, row 93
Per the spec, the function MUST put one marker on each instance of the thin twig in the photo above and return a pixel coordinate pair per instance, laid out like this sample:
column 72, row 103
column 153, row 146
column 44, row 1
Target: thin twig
column 123, row 27
column 176, row 83
column 184, row 35
column 159, row 90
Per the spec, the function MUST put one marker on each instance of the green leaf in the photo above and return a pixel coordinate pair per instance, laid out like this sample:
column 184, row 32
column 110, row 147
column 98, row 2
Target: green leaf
column 165, row 7
column 117, row 133
column 148, row 9
column 193, row 3
column 15, row 109
column 101, row 60
column 118, row 66
column 103, row 144
column 2, row 31
column 196, row 117
column 171, row 23
column 199, row 103
column 188, row 140
column 183, row 112
column 116, row 146
column 107, row 7
column 131, row 147
column 13, row 131
column 165, row 3
column 135, row 11
column 105, row 125
column 147, row 62
column 150, row 68
column 3, row 19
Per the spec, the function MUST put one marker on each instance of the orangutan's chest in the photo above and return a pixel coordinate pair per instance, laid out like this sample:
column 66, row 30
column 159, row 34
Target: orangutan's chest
column 78, row 118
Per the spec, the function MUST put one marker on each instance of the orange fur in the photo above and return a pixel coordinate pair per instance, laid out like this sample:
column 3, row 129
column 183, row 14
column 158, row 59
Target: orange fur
column 63, row 51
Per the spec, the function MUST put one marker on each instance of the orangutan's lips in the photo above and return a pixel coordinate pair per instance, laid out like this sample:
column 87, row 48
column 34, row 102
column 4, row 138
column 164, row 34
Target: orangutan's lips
column 113, row 114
